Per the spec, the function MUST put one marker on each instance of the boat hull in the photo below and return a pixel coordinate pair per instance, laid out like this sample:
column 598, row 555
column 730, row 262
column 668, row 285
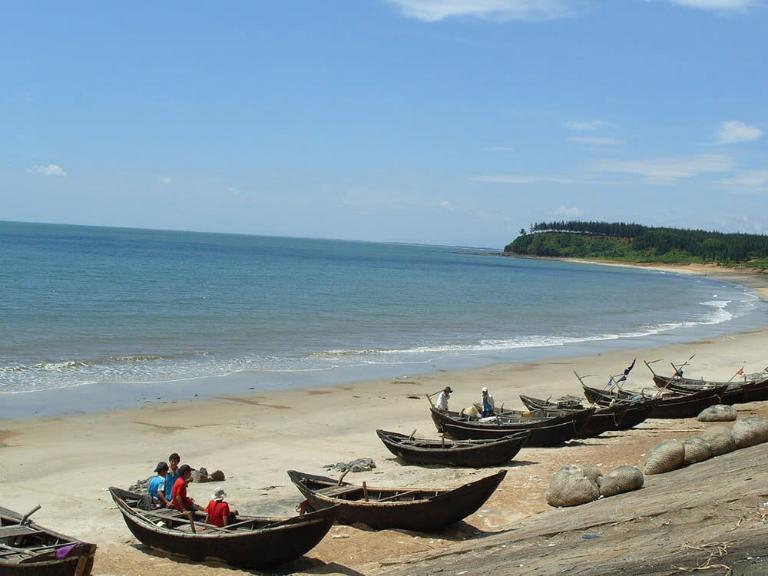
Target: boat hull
column 263, row 548
column 430, row 515
column 479, row 455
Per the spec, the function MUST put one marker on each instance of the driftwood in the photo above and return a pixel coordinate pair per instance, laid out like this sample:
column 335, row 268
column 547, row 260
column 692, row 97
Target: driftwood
column 688, row 520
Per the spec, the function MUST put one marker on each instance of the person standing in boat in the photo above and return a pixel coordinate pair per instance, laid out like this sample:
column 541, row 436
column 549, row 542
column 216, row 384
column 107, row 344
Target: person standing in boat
column 172, row 475
column 156, row 485
column 443, row 397
column 218, row 511
column 488, row 404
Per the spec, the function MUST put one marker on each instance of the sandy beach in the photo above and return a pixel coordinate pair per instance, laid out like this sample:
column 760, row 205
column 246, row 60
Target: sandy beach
column 66, row 463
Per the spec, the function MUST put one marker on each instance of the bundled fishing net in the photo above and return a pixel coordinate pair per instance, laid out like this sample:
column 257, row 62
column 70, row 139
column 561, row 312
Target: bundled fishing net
column 750, row 431
column 569, row 401
column 696, row 450
column 621, row 479
column 717, row 413
column 573, row 485
column 720, row 440
column 665, row 457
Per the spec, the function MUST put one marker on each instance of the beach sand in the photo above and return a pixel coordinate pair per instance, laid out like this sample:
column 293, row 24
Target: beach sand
column 66, row 463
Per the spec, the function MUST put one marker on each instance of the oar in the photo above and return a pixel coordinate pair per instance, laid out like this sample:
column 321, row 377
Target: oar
column 25, row 518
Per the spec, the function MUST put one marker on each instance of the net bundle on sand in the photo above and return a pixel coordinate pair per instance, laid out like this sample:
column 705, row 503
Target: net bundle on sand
column 717, row 413
column 573, row 484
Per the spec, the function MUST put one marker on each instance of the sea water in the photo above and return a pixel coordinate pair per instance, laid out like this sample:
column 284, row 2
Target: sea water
column 110, row 307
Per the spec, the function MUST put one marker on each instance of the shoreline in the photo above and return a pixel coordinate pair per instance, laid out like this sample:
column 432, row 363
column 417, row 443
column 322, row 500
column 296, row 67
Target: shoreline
column 104, row 398
column 65, row 463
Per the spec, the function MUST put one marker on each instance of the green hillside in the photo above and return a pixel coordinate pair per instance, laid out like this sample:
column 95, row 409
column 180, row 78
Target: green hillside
column 637, row 243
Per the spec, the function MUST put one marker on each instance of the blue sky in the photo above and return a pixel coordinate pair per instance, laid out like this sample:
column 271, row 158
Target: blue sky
column 435, row 121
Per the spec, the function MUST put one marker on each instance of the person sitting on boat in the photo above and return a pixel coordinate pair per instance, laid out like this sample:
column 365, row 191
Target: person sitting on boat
column 488, row 404
column 218, row 511
column 156, row 485
column 179, row 499
column 442, row 398
column 172, row 475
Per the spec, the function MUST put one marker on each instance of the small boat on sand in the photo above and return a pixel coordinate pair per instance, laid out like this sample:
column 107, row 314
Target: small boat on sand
column 546, row 429
column 467, row 453
column 250, row 542
column 621, row 415
column 420, row 509
column 668, row 405
column 28, row 549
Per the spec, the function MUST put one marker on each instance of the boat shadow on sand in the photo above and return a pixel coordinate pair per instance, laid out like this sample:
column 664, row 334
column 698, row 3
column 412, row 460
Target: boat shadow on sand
column 302, row 565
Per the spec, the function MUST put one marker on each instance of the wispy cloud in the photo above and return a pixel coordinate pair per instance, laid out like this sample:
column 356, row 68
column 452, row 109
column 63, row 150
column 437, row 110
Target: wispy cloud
column 594, row 140
column 568, row 211
column 500, row 148
column 497, row 10
column 48, row 170
column 716, row 5
column 734, row 131
column 748, row 181
column 518, row 179
column 668, row 170
column 589, row 125
column 166, row 180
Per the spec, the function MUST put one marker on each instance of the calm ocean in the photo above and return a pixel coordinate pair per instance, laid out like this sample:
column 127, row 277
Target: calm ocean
column 83, row 305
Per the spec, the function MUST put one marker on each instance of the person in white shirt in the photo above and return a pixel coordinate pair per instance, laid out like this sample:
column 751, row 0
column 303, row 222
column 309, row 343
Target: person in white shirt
column 442, row 399
column 488, row 404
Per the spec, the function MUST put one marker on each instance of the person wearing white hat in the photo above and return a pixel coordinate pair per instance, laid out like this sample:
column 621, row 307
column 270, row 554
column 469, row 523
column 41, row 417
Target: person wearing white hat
column 488, row 404
column 218, row 512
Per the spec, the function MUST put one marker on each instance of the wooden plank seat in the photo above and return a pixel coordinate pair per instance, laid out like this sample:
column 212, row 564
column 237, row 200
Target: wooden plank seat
column 335, row 491
column 17, row 530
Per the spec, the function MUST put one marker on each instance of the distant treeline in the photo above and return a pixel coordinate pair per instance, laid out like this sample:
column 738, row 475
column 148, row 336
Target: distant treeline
column 621, row 241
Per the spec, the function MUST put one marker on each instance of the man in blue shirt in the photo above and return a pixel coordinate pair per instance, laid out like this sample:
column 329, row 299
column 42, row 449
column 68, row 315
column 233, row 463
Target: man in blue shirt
column 172, row 474
column 156, row 485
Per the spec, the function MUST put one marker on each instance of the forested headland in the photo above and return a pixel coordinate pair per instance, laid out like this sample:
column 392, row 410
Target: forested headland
column 637, row 243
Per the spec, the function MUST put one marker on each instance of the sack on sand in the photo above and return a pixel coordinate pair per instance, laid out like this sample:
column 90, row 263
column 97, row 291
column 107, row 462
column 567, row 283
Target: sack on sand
column 717, row 413
column 665, row 457
column 720, row 440
column 570, row 486
column 621, row 479
column 750, row 431
column 696, row 450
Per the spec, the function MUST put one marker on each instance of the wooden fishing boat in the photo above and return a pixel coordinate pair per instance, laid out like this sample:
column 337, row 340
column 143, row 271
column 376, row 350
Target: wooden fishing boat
column 420, row 509
column 752, row 390
column 547, row 429
column 672, row 405
column 28, row 549
column 251, row 542
column 468, row 453
column 619, row 416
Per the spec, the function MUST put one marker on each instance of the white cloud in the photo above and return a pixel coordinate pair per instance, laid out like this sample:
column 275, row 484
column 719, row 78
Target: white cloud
column 166, row 180
column 751, row 180
column 589, row 125
column 568, row 211
column 446, row 205
column 716, row 5
column 497, row 10
column 594, row 140
column 668, row 170
column 500, row 148
column 525, row 179
column 734, row 131
column 48, row 170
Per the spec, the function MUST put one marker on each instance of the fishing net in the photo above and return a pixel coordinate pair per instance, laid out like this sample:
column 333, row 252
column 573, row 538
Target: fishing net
column 717, row 413
column 665, row 457
column 571, row 486
column 621, row 479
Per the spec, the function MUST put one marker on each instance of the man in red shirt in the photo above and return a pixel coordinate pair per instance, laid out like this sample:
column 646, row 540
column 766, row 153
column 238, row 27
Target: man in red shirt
column 179, row 498
column 218, row 512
